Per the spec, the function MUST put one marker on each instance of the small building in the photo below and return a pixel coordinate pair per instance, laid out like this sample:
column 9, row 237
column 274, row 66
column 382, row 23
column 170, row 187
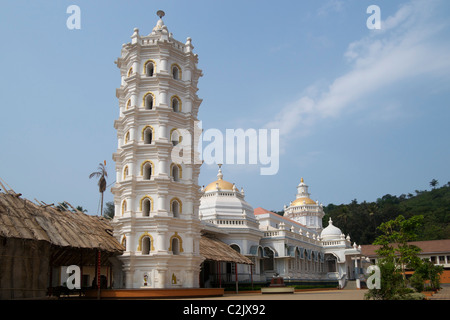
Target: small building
column 37, row 240
column 437, row 251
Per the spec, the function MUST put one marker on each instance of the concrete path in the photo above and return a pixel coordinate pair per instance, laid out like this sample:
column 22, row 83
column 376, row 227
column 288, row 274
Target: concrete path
column 443, row 294
column 307, row 295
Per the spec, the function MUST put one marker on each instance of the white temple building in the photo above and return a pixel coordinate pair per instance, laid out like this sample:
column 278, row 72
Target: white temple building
column 156, row 199
column 162, row 214
column 293, row 246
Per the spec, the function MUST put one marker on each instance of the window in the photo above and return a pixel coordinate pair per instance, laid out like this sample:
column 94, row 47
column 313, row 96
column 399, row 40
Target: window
column 176, row 104
column 268, row 260
column 175, row 246
column 146, row 170
column 124, row 206
column 236, row 248
column 146, row 207
column 149, row 68
column 147, row 135
column 176, row 72
column 127, row 137
column 148, row 101
column 175, row 172
column 124, row 242
column 130, row 72
column 175, row 206
column 125, row 172
column 128, row 103
column 175, row 137
column 146, row 243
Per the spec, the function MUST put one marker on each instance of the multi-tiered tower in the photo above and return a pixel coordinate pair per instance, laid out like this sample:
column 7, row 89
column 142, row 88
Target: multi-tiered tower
column 156, row 197
column 305, row 210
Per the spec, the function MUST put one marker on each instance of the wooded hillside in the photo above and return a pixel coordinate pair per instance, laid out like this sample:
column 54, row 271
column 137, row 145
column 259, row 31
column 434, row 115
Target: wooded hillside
column 361, row 220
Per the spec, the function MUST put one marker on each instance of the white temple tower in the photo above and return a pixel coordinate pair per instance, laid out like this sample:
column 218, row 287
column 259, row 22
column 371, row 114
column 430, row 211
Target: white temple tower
column 156, row 198
column 305, row 210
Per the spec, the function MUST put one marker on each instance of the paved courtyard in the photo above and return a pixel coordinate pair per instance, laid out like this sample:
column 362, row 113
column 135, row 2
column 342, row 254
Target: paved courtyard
column 443, row 294
column 307, row 295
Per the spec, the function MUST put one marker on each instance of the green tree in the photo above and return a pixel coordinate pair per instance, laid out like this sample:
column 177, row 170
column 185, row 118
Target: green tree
column 80, row 208
column 395, row 255
column 434, row 183
column 428, row 271
column 109, row 210
column 101, row 174
column 394, row 241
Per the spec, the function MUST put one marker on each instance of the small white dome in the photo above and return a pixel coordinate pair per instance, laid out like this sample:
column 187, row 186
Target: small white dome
column 331, row 232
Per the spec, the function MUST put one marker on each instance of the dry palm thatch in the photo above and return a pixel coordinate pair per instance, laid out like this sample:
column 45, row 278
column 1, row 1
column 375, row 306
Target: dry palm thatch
column 216, row 250
column 67, row 231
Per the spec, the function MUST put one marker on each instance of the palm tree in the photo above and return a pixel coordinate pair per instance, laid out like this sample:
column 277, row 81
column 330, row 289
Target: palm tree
column 434, row 183
column 101, row 181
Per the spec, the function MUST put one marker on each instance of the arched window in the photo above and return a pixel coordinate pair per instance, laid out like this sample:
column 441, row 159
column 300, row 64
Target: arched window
column 146, row 245
column 130, row 72
column 128, row 103
column 148, row 101
column 124, row 242
column 175, row 173
column 176, row 71
column 176, row 244
column 146, row 206
column 147, row 134
column 268, row 260
column 176, row 207
column 149, row 68
column 261, row 260
column 125, row 172
column 175, row 137
column 127, row 137
column 146, row 170
column 176, row 104
column 124, row 206
column 330, row 262
column 236, row 248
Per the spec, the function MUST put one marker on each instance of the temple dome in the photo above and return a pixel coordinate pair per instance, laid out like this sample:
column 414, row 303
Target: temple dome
column 299, row 201
column 331, row 232
column 222, row 184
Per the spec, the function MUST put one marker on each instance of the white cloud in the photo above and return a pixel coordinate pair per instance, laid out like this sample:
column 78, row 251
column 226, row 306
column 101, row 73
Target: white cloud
column 330, row 7
column 404, row 48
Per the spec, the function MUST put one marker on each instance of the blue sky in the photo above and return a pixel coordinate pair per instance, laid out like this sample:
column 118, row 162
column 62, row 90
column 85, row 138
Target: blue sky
column 361, row 112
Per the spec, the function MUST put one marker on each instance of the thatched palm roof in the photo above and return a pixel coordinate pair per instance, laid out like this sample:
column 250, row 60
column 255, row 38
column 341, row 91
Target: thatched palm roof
column 213, row 249
column 64, row 229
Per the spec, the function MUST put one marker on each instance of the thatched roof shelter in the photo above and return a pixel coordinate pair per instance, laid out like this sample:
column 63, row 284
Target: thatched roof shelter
column 213, row 249
column 37, row 237
column 66, row 231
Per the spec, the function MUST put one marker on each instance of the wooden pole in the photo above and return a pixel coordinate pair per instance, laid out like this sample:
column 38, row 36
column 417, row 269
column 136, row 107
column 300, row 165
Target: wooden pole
column 81, row 270
column 98, row 273
column 251, row 274
column 220, row 277
column 235, row 271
